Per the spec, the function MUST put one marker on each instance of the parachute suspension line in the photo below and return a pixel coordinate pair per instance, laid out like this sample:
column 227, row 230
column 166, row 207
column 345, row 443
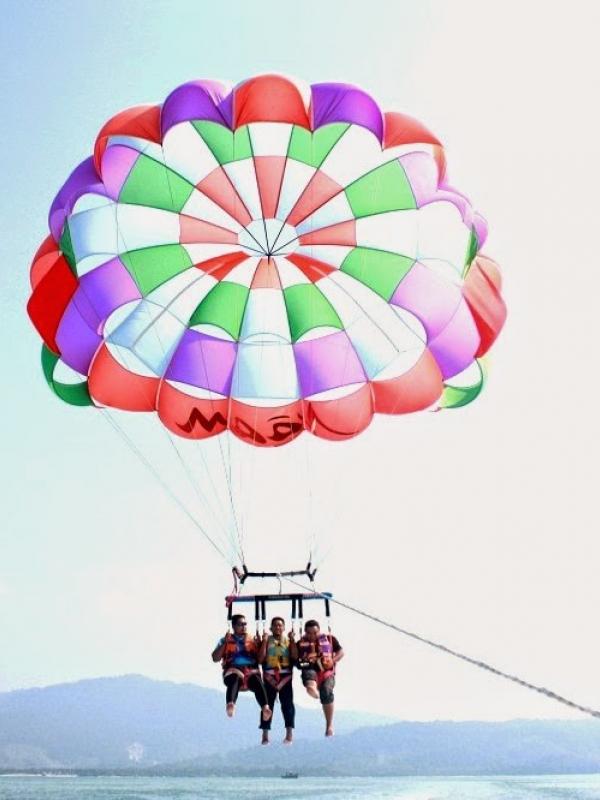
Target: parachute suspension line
column 245, row 471
column 322, row 544
column 235, row 535
column 243, row 499
column 227, row 514
column 337, row 402
column 449, row 651
column 312, row 532
column 234, row 481
column 137, row 452
column 227, row 475
column 230, row 524
column 235, row 497
column 196, row 486
column 239, row 548
column 322, row 558
column 228, row 536
column 134, row 448
column 230, row 515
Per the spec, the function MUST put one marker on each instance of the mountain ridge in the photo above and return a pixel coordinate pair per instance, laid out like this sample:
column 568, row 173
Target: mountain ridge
column 135, row 724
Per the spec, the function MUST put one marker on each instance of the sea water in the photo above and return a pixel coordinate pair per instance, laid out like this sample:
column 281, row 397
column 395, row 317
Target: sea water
column 553, row 787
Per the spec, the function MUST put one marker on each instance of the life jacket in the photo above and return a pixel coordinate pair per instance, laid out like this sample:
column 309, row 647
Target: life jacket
column 323, row 649
column 231, row 650
column 278, row 654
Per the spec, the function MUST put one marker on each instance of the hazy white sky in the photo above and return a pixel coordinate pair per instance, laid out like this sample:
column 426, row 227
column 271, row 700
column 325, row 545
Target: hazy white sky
column 476, row 527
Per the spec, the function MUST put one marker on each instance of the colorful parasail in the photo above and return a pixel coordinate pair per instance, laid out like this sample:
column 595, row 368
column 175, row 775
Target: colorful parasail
column 267, row 259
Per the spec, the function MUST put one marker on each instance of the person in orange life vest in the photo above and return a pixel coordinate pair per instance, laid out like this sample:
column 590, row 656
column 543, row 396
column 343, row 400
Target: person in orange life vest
column 277, row 655
column 318, row 654
column 237, row 653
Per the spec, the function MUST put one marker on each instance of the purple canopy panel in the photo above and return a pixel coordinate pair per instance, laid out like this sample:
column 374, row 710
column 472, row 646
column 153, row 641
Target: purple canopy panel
column 429, row 297
column 106, row 288
column 327, row 363
column 422, row 172
column 342, row 102
column 455, row 347
column 76, row 340
column 481, row 229
column 226, row 109
column 86, row 309
column 203, row 100
column 203, row 361
column 82, row 180
column 117, row 163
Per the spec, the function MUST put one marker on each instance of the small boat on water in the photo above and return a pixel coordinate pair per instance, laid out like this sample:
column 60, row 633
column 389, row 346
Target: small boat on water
column 59, row 775
column 290, row 775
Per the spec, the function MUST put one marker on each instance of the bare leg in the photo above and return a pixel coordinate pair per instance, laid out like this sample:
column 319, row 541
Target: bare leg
column 232, row 682
column 309, row 679
column 289, row 736
column 257, row 686
column 328, row 711
column 265, row 724
column 311, row 689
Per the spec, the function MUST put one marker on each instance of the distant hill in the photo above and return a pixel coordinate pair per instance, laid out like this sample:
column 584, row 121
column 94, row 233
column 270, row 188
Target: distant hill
column 118, row 722
column 519, row 747
column 134, row 723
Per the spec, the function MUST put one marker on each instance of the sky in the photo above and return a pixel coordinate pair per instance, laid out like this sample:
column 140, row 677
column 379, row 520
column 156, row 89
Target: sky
column 475, row 528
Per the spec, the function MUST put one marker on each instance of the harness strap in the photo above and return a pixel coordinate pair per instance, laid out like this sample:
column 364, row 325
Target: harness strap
column 322, row 676
column 243, row 673
column 276, row 679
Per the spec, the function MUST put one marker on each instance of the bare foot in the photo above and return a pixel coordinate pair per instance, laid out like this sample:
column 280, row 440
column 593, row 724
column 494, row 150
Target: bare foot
column 311, row 689
column 266, row 713
column 265, row 739
column 329, row 731
column 288, row 740
column 230, row 709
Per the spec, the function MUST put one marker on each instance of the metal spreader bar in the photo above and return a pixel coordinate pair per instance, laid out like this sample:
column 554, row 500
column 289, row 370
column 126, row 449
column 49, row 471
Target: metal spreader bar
column 244, row 573
column 297, row 600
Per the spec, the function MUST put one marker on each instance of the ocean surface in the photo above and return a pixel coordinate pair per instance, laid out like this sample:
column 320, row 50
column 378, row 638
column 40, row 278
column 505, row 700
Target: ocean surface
column 554, row 787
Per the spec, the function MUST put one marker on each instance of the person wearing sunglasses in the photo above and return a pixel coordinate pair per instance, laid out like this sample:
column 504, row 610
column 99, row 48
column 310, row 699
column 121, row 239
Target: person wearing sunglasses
column 238, row 654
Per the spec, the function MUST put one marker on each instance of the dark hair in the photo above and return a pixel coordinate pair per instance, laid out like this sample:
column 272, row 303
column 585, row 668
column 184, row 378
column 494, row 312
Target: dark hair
column 274, row 620
column 311, row 623
column 236, row 618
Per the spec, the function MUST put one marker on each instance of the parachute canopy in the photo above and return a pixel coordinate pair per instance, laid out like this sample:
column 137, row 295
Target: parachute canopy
column 266, row 259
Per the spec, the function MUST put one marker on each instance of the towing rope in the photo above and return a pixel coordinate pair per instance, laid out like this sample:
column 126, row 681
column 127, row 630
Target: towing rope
column 449, row 651
column 437, row 645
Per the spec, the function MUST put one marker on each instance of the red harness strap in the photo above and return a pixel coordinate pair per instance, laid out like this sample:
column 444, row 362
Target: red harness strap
column 276, row 679
column 322, row 676
column 243, row 673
